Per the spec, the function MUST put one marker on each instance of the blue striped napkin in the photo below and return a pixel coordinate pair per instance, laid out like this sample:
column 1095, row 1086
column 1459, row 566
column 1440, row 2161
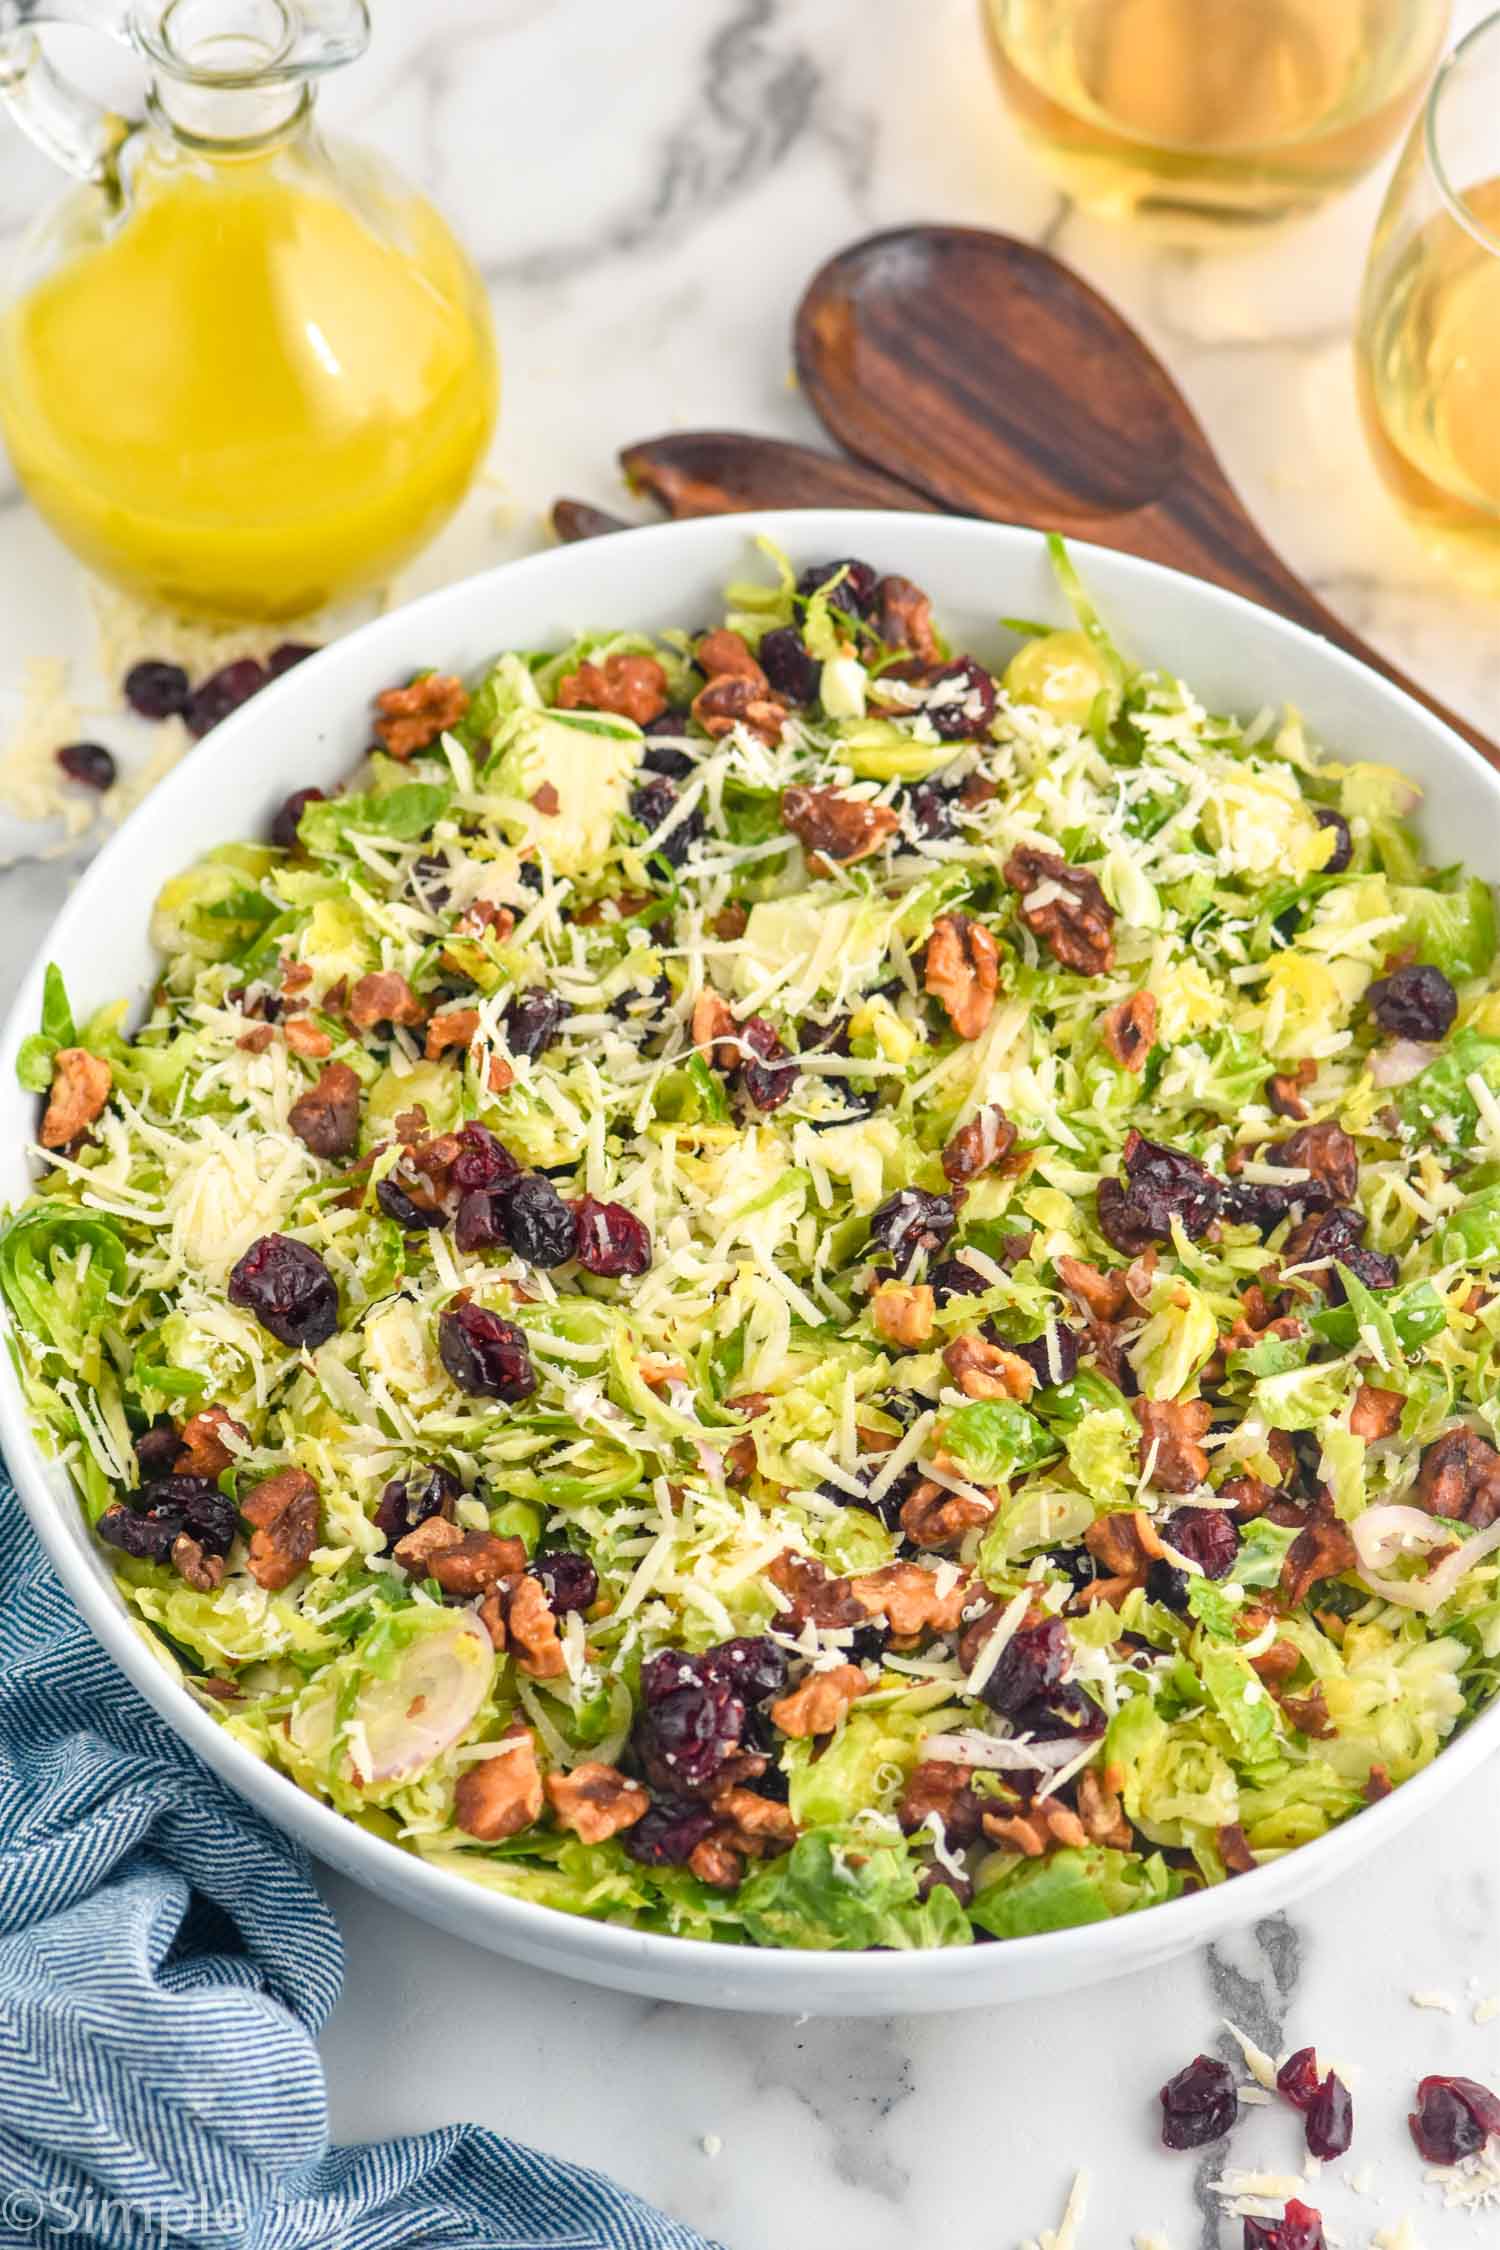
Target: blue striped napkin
column 165, row 1966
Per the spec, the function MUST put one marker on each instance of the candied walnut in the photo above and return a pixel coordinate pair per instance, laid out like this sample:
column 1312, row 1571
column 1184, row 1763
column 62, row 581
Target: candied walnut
column 728, row 702
column 1234, row 1849
column 962, row 969
column 482, row 918
column 723, row 655
column 1246, row 1497
column 455, row 1028
column 1309, row 1713
column 814, row 1593
column 1323, row 1550
column 715, row 1862
column 532, row 1628
column 326, row 1118
column 935, row 1517
column 283, row 1514
column 595, row 1801
column 1324, row 1150
column 1276, row 1664
column 384, row 997
column 1125, row 1544
column 631, row 686
column 837, row 828
column 1103, row 1295
column 545, row 800
column 1460, row 1477
column 296, row 976
column 715, row 1030
column 903, row 619
column 1376, row 1413
column 1170, row 1430
column 80, row 1089
column 907, row 1597
column 413, row 717
column 740, row 1458
column 941, row 1788
column 817, row 1706
column 204, row 1452
column 984, row 1370
column 1036, row 1831
column 492, row 1617
column 1101, row 1813
column 307, row 1038
column 203, row 1572
column 758, row 1823
column 979, row 1146
column 499, row 1796
column 1065, row 907
column 473, row 1564
column 1128, row 1029
column 499, row 1077
column 1284, row 1090
column 418, row 1548
column 731, row 922
column 257, row 1039
column 903, row 1315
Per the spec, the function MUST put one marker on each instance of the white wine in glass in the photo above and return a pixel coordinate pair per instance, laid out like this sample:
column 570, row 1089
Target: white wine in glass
column 1212, row 114
column 1428, row 350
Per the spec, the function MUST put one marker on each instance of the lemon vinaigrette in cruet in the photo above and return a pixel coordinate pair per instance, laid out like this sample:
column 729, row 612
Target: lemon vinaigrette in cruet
column 245, row 371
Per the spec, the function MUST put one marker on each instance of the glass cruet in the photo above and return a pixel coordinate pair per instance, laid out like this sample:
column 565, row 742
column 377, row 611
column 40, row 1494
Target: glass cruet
column 244, row 369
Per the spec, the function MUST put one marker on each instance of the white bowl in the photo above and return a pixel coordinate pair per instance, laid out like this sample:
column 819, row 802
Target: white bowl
column 311, row 727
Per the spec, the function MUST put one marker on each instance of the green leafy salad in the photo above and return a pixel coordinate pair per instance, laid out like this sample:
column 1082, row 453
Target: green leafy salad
column 781, row 1286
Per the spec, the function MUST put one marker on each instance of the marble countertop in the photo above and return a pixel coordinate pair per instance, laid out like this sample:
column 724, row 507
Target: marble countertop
column 646, row 188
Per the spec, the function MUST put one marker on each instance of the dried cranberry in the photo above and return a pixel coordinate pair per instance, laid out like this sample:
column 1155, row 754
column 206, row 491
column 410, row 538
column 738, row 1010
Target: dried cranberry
column 412, row 1218
column 1454, row 2117
column 533, row 1020
column 650, row 805
column 790, row 665
column 913, row 1219
column 488, row 1357
column 1298, row 2078
column 1066, row 1713
column 612, row 1241
column 1031, row 1662
column 89, row 763
column 955, row 1277
column 1161, row 1184
column 1416, row 1002
column 538, row 1224
column 665, row 757
column 289, row 1289
column 931, row 811
column 669, row 1833
column 888, row 1507
column 430, row 882
column 1265, row 1203
column 143, row 1535
column 149, row 1527
column 685, row 1737
column 1343, row 850
column 1330, row 2119
column 1166, row 1584
column 482, row 1160
column 285, row 826
column 157, row 690
column 478, row 1225
column 427, row 1490
column 754, row 1667
column 1298, row 2228
column 1198, row 2105
column 766, row 1077
column 568, row 1579
column 867, row 1644
column 855, row 591
column 1336, row 1238
column 1052, row 1363
column 157, row 1448
column 222, row 692
column 286, row 655
column 1207, row 1536
column 1075, row 1564
column 967, row 706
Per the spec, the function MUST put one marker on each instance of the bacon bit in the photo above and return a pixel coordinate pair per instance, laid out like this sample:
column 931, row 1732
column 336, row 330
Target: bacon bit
column 1078, row 925
column 384, row 997
column 834, row 828
column 411, row 1125
column 307, row 1038
column 1309, row 1713
column 296, row 976
column 204, row 1453
column 984, row 1370
column 934, row 1517
column 1172, row 1429
column 907, row 1597
column 533, row 1630
column 456, row 1028
column 902, row 1314
column 80, row 1089
column 814, row 1592
column 979, row 1146
column 545, row 800
column 1460, row 1477
column 1377, row 1785
column 715, row 1031
column 595, row 1801
column 1104, row 1295
column 1128, row 1030
column 482, row 918
column 1126, row 1544
column 1376, row 1413
column 1275, row 1665
column 962, row 969
column 632, row 687
column 1234, row 1849
column 257, row 1039
column 731, row 923
column 1327, row 1151
column 730, row 701
column 500, row 1796
column 1283, row 1091
column 284, row 1515
column 1101, row 1813
column 413, row 717
column 817, row 1706
column 903, row 619
column 1323, row 1550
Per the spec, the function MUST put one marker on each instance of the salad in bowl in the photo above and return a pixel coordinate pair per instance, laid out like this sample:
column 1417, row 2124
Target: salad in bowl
column 778, row 1285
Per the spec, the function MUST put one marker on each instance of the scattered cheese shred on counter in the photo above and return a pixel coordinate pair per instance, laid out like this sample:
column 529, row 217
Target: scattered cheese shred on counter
column 1064, row 2236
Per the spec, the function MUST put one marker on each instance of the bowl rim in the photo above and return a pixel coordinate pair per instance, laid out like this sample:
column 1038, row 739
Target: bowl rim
column 942, row 1976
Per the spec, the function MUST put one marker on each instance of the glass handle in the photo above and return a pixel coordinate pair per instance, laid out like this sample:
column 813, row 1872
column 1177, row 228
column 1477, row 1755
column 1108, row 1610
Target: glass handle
column 76, row 132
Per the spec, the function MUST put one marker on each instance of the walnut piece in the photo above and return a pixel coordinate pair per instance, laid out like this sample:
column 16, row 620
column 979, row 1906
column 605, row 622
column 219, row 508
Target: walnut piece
column 1128, row 1030
column 963, row 971
column 740, row 698
column 1100, row 1811
column 817, row 1705
column 935, row 1518
column 326, row 1118
column 979, row 1146
column 1071, row 914
column 1103, row 1295
column 985, row 1370
column 283, row 1513
column 1376, row 1413
column 943, row 1789
column 80, row 1089
column 384, row 997
column 631, row 686
column 204, row 1452
column 533, row 1631
column 907, row 1597
column 1323, row 1550
column 903, row 619
column 414, row 716
column 814, row 1592
column 833, row 828
column 903, row 1315
column 456, row 1027
column 499, row 1796
column 307, row 1038
column 1460, row 1477
column 723, row 655
column 1326, row 1151
column 1170, row 1430
column 595, row 1801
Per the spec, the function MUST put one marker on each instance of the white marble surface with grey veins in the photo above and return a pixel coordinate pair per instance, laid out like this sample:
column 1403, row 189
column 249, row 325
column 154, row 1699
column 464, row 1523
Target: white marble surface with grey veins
column 646, row 188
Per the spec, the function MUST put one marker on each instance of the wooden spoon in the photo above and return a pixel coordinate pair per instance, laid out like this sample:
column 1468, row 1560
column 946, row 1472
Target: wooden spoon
column 573, row 520
column 721, row 472
column 983, row 371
